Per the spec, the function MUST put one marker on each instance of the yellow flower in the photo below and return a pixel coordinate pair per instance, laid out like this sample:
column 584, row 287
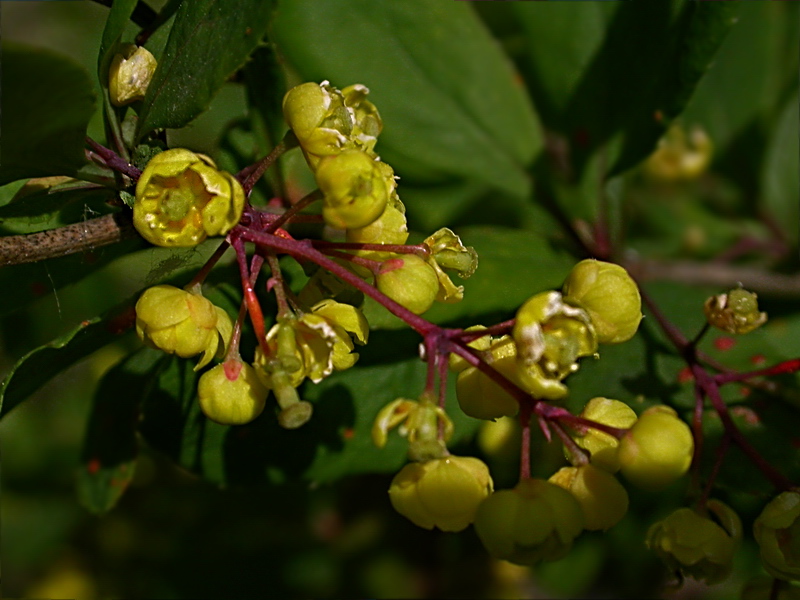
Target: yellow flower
column 696, row 546
column 181, row 198
column 777, row 531
column 182, row 323
column 443, row 492
column 551, row 336
column 537, row 520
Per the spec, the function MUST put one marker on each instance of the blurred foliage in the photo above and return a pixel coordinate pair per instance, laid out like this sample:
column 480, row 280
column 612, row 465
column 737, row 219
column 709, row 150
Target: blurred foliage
column 504, row 121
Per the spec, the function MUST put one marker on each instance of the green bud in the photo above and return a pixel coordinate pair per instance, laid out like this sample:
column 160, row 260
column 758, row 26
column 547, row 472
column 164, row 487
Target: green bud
column 657, row 450
column 609, row 295
column 409, row 281
column 130, row 74
column 356, row 189
column 602, row 446
column 602, row 498
column 231, row 394
column 479, row 396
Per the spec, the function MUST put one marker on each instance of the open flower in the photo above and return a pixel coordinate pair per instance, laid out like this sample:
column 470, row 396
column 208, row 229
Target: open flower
column 694, row 545
column 551, row 336
column 443, row 492
column 537, row 520
column 181, row 198
column 777, row 531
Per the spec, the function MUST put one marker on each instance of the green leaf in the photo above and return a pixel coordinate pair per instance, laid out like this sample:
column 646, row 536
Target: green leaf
column 334, row 443
column 209, row 41
column 780, row 182
column 755, row 72
column 110, row 447
column 118, row 18
column 513, row 265
column 448, row 96
column 51, row 207
column 612, row 75
column 47, row 103
column 37, row 367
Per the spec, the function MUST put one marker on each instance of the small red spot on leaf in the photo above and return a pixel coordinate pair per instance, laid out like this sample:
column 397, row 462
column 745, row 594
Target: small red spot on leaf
column 758, row 359
column 684, row 375
column 38, row 288
column 85, row 323
column 745, row 391
column 348, row 433
column 658, row 116
column 93, row 466
column 723, row 343
column 748, row 415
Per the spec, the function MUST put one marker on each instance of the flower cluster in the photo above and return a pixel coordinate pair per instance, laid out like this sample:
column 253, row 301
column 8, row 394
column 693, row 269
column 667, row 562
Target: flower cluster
column 519, row 368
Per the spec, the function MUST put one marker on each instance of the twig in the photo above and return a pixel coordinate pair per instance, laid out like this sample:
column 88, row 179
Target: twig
column 62, row 241
column 718, row 275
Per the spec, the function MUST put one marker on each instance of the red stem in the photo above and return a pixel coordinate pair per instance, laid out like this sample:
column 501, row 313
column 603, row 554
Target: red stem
column 302, row 249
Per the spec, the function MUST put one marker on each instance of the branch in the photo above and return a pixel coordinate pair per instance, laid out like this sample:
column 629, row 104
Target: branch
column 78, row 237
column 716, row 275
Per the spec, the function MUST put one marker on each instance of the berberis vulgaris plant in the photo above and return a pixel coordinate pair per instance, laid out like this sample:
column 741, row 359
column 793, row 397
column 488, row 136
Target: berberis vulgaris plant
column 509, row 210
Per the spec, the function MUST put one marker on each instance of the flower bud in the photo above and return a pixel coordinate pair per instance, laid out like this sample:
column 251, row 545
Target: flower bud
column 389, row 228
column 602, row 446
column 537, row 520
column 356, row 189
column 602, row 498
column 130, row 74
column 319, row 119
column 609, row 295
column 444, row 492
column 421, row 423
column 680, row 157
column 657, row 450
column 551, row 336
column 182, row 323
column 735, row 312
column 478, row 395
column 696, row 546
column 231, row 394
column 457, row 363
column 409, row 281
column 777, row 531
column 181, row 198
